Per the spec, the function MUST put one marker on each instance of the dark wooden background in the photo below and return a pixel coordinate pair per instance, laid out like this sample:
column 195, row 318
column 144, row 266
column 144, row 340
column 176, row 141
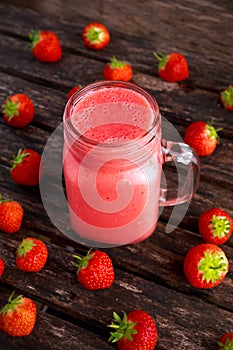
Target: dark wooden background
column 149, row 275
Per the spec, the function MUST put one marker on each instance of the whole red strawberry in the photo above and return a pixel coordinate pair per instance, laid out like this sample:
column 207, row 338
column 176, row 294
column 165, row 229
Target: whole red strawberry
column 18, row 316
column 95, row 270
column 73, row 90
column 31, row 255
column 205, row 266
column 225, row 342
column 215, row 226
column 118, row 70
column 227, row 98
column 26, row 167
column 172, row 67
column 95, row 36
column 2, row 266
column 137, row 330
column 203, row 137
column 18, row 110
column 46, row 46
column 11, row 215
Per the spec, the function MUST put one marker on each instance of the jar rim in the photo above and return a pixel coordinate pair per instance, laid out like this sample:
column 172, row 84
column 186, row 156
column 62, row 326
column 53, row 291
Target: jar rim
column 71, row 131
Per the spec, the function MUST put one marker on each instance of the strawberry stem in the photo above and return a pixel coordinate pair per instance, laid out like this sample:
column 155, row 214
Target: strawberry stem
column 220, row 225
column 4, row 200
column 10, row 109
column 116, row 64
column 228, row 345
column 122, row 328
column 25, row 246
column 93, row 34
column 19, row 158
column 82, row 261
column 34, row 36
column 212, row 265
column 12, row 303
column 213, row 131
column 227, row 96
column 158, row 55
column 162, row 59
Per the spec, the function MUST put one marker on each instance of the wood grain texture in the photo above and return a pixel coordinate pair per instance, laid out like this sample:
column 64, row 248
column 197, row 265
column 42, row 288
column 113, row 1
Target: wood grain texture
column 149, row 275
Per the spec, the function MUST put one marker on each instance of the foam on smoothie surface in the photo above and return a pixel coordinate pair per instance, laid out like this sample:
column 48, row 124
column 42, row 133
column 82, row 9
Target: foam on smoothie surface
column 112, row 114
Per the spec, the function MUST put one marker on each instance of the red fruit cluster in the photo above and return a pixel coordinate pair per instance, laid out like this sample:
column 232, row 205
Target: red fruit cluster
column 206, row 265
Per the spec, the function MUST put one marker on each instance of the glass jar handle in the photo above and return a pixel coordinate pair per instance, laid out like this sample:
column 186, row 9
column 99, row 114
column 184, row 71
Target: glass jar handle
column 187, row 166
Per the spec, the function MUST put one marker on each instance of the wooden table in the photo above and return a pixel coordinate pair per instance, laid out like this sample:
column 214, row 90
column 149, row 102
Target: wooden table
column 149, row 275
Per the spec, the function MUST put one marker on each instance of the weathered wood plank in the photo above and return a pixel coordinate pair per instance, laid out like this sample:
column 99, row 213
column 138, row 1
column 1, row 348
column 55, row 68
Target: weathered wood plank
column 46, row 107
column 170, row 309
column 211, row 55
column 208, row 195
column 180, row 106
column 52, row 333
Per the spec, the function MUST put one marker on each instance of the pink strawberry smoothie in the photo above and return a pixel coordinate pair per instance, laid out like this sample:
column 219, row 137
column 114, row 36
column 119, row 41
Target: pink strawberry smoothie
column 112, row 196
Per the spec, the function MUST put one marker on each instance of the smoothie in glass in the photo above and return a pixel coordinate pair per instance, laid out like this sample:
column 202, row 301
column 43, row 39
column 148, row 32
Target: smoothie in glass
column 112, row 164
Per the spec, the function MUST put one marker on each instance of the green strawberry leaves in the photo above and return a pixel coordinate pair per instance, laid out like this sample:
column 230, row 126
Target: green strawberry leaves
column 122, row 328
column 228, row 345
column 116, row 64
column 227, row 96
column 94, row 35
column 10, row 109
column 220, row 226
column 25, row 246
column 82, row 261
column 12, row 304
column 212, row 265
column 19, row 158
column 162, row 59
column 34, row 37
column 213, row 133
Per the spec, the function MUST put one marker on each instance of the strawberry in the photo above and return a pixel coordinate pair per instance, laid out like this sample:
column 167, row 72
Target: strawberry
column 118, row 70
column 225, row 342
column 2, row 266
column 215, row 226
column 95, row 36
column 172, row 67
column 226, row 97
column 18, row 316
column 11, row 215
column 18, row 110
column 137, row 330
column 26, row 167
column 95, row 270
column 45, row 46
column 31, row 255
column 73, row 90
column 205, row 265
column 203, row 137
